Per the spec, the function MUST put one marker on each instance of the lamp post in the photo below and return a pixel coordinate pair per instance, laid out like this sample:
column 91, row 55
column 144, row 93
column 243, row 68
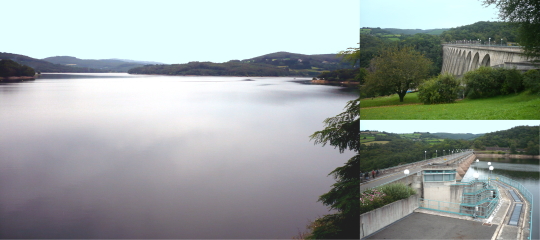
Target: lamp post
column 489, row 179
column 501, row 42
column 476, row 175
column 436, row 153
column 425, row 155
column 489, row 42
column 476, row 165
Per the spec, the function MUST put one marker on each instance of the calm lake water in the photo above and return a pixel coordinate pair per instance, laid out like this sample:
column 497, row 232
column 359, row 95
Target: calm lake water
column 121, row 156
column 525, row 171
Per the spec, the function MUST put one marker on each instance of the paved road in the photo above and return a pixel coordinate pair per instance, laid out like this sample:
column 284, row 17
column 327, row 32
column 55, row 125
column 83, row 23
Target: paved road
column 389, row 178
column 427, row 226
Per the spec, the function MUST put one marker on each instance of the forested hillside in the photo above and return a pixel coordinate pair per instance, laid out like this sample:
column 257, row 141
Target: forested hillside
column 465, row 136
column 231, row 68
column 483, row 31
column 112, row 65
column 44, row 66
column 526, row 137
column 402, row 151
column 274, row 64
column 9, row 68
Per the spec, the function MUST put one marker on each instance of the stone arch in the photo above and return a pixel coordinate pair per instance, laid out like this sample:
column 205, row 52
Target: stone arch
column 467, row 63
column 474, row 62
column 455, row 63
column 486, row 61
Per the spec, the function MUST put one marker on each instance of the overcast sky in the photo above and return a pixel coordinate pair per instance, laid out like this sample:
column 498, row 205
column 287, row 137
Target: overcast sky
column 177, row 31
column 449, row 126
column 424, row 14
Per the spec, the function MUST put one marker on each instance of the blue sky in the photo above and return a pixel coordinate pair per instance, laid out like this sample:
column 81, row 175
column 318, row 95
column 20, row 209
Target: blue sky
column 424, row 14
column 177, row 31
column 449, row 126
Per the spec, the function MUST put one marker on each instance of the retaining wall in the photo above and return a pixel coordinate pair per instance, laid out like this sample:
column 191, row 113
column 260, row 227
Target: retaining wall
column 379, row 218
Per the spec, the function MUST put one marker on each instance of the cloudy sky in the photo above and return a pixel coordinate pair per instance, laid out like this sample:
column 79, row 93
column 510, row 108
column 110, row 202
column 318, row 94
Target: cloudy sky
column 177, row 31
column 424, row 14
column 449, row 126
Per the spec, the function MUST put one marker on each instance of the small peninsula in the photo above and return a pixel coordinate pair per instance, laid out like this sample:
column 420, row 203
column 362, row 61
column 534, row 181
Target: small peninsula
column 13, row 71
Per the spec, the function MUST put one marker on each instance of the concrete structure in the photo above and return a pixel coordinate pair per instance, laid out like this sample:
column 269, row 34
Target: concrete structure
column 459, row 59
column 377, row 219
column 484, row 207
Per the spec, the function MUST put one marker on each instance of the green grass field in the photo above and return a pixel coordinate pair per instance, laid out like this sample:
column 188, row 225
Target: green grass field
column 521, row 106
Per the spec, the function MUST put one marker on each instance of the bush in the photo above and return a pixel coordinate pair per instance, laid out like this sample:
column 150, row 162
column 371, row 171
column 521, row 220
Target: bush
column 442, row 89
column 398, row 191
column 531, row 81
column 513, row 80
column 483, row 82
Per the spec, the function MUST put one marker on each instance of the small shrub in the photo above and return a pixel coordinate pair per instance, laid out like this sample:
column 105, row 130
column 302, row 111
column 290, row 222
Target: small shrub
column 442, row 89
column 397, row 191
column 483, row 82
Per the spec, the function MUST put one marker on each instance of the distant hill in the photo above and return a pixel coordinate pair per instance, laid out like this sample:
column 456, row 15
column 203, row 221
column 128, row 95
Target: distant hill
column 273, row 64
column 113, row 65
column 525, row 137
column 483, row 31
column 44, row 66
column 399, row 31
column 464, row 136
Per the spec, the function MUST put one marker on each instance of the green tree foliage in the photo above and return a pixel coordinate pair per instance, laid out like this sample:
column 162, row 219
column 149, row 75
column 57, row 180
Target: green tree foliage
column 428, row 45
column 483, row 31
column 490, row 82
column 369, row 47
column 401, row 151
column 531, row 81
column 342, row 132
column 396, row 70
column 526, row 13
column 442, row 89
column 520, row 136
column 9, row 68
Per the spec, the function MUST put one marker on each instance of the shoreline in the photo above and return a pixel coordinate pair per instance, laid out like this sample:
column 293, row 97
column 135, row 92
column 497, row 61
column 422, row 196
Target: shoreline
column 16, row 78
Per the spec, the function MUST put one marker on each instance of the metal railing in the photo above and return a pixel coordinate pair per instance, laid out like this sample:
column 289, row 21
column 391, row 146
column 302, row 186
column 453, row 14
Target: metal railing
column 524, row 192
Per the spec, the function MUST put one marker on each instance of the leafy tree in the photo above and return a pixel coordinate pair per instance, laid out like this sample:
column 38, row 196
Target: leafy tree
column 428, row 45
column 513, row 80
column 396, row 70
column 442, row 89
column 526, row 14
column 531, row 81
column 342, row 132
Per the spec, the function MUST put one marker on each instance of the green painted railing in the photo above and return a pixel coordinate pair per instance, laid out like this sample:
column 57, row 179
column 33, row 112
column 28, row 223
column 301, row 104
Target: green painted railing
column 524, row 192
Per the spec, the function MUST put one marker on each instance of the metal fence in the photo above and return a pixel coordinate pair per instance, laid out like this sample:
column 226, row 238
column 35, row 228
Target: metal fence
column 524, row 192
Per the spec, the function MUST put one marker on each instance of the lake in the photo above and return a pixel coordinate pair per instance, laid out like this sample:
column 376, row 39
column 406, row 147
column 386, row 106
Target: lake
column 145, row 156
column 524, row 171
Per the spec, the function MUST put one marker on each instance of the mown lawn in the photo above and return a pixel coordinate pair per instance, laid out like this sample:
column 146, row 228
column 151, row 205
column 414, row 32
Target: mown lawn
column 521, row 106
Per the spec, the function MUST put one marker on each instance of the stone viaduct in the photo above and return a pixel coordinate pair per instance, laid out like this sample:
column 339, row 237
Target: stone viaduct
column 459, row 59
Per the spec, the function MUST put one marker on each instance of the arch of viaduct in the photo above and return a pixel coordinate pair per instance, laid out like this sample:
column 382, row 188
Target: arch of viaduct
column 459, row 59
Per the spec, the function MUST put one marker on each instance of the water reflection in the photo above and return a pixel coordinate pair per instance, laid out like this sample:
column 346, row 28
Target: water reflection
column 163, row 157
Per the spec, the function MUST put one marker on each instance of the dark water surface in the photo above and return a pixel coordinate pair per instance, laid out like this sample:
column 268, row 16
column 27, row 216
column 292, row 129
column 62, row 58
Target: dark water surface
column 524, row 171
column 120, row 156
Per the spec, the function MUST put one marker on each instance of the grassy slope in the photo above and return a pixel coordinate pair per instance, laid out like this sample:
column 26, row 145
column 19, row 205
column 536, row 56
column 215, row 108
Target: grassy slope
column 522, row 106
